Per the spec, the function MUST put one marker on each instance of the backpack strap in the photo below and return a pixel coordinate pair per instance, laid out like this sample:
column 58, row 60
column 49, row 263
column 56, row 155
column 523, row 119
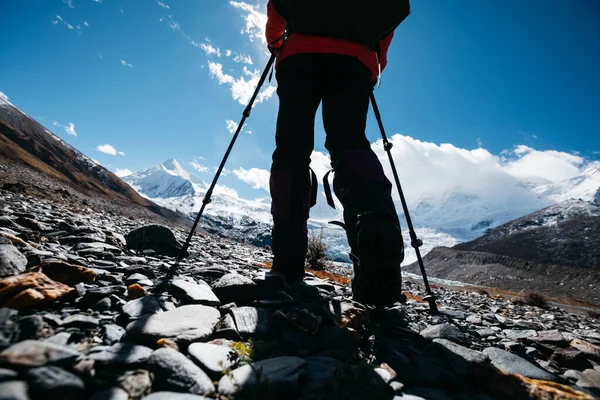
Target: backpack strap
column 314, row 187
column 328, row 189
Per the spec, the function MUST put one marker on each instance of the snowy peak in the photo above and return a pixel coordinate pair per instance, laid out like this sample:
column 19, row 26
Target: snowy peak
column 163, row 181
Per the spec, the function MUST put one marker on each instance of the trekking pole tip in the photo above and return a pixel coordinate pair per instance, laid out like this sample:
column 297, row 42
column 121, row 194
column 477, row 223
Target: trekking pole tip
column 433, row 309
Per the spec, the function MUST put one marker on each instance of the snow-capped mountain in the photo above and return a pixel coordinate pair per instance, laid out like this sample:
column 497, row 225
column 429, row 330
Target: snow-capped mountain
column 445, row 219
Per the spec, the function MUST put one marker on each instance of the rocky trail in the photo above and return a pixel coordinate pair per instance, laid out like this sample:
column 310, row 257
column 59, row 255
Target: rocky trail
column 93, row 308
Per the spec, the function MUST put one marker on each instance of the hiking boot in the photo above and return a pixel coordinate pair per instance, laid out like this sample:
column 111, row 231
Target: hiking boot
column 379, row 251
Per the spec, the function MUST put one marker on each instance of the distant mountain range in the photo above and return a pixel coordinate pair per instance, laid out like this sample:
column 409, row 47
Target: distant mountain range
column 444, row 220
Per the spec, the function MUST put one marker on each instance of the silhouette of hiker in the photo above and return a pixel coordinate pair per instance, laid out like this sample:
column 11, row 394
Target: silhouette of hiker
column 340, row 73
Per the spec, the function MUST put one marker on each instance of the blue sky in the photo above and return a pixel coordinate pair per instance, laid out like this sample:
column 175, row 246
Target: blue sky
column 158, row 80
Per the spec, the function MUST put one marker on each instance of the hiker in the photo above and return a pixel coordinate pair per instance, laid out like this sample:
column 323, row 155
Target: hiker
column 310, row 69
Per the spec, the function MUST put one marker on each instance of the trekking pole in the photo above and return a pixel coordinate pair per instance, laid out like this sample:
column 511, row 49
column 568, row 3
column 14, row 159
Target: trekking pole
column 415, row 242
column 208, row 194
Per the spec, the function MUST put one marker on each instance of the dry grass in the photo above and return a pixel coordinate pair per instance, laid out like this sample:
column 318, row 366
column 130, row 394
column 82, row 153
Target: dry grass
column 316, row 255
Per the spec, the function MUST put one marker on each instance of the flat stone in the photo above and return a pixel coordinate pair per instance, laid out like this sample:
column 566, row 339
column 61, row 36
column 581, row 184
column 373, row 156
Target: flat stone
column 589, row 378
column 174, row 371
column 485, row 332
column 586, row 347
column 519, row 334
column 12, row 262
column 14, row 390
column 474, row 319
column 194, row 293
column 445, row 331
column 135, row 278
column 551, row 337
column 8, row 374
column 54, row 383
column 213, row 359
column 81, row 322
column 281, row 373
column 235, row 288
column 187, row 324
column 571, row 358
column 469, row 355
column 174, row 396
column 104, row 304
column 34, row 353
column 251, row 321
column 128, row 354
column 94, row 294
column 513, row 364
column 61, row 338
column 96, row 246
column 137, row 308
column 112, row 333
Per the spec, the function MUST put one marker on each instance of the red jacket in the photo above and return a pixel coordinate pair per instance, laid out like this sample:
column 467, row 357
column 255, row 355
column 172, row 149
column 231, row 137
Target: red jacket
column 298, row 44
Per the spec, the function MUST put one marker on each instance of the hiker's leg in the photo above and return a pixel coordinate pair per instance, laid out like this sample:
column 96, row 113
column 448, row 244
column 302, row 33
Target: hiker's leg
column 299, row 97
column 360, row 184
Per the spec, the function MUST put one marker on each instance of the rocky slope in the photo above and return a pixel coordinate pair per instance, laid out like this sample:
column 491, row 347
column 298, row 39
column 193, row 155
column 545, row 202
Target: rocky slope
column 95, row 307
column 39, row 158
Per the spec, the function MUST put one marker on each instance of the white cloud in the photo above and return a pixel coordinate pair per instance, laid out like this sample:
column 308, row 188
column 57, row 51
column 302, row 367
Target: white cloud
column 97, row 1
column 228, row 53
column 86, row 24
column 550, row 164
column 231, row 126
column 126, row 64
column 3, row 97
column 110, row 150
column 241, row 88
column 122, row 172
column 69, row 128
column 242, row 58
column 209, row 49
column 258, row 178
column 62, row 21
column 255, row 21
column 69, row 3
column 163, row 5
column 198, row 167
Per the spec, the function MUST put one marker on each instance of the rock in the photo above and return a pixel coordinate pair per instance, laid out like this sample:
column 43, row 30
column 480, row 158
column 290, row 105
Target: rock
column 155, row 237
column 192, row 293
column 167, row 344
column 12, row 262
column 571, row 358
column 272, row 378
column 174, row 396
column 519, row 334
column 112, row 333
column 66, row 273
column 251, row 321
column 551, row 337
column 83, row 235
column 81, row 322
column 139, row 307
column 122, row 354
column 184, row 324
column 513, row 364
column 8, row 374
column 136, row 383
column 61, row 339
column 113, row 393
column 94, row 294
column 135, row 278
column 34, row 353
column 54, row 383
column 174, row 371
column 235, row 288
column 474, row 319
column 28, row 327
column 213, row 359
column 332, row 337
column 586, row 347
column 31, row 290
column 590, row 378
column 322, row 379
column 469, row 355
column 14, row 390
column 104, row 304
column 485, row 332
column 135, row 291
column 445, row 331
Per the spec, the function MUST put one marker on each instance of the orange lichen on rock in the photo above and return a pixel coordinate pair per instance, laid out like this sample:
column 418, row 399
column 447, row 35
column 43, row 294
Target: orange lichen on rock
column 167, row 343
column 31, row 290
column 344, row 280
column 66, row 273
column 551, row 390
column 135, row 291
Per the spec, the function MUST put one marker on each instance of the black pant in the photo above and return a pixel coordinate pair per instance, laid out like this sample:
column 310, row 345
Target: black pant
column 343, row 84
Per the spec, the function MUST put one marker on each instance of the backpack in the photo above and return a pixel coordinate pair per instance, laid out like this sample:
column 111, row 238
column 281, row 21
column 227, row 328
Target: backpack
column 362, row 21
